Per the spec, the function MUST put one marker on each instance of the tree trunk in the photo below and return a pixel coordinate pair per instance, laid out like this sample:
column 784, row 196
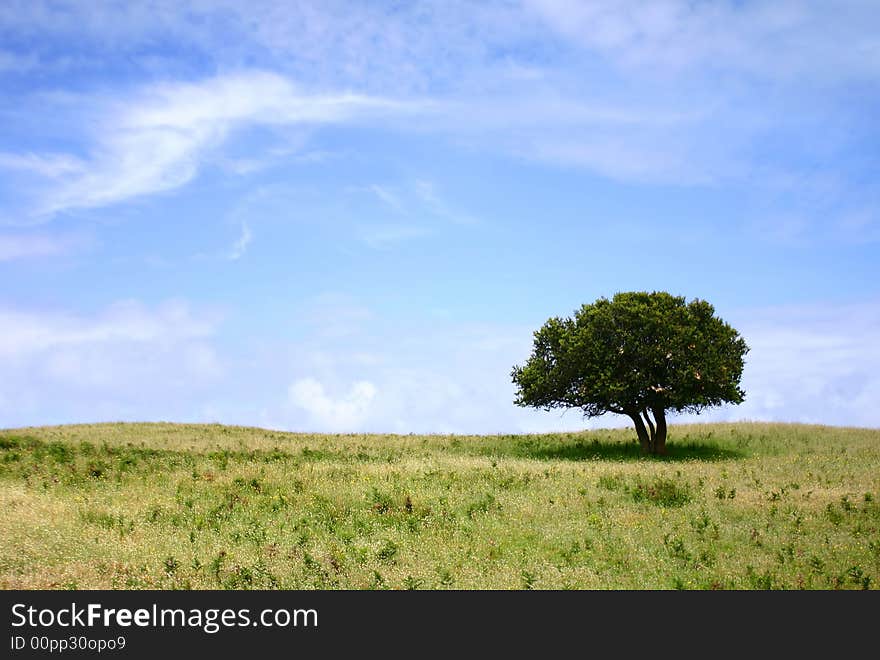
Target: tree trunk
column 652, row 434
column 644, row 438
column 651, row 430
column 660, row 434
column 650, row 425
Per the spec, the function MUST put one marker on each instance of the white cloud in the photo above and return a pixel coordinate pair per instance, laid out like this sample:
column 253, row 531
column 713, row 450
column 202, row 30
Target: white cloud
column 386, row 196
column 416, row 45
column 128, row 361
column 381, row 236
column 681, row 101
column 417, row 207
column 335, row 315
column 622, row 158
column 29, row 246
column 429, row 195
column 612, row 77
column 813, row 363
column 47, row 165
column 776, row 40
column 342, row 414
column 428, row 378
column 159, row 138
column 241, row 243
column 123, row 322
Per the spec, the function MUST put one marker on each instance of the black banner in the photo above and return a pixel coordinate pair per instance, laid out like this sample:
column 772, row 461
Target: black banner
column 286, row 624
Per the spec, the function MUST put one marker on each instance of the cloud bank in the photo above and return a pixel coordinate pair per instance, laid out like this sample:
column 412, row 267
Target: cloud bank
column 809, row 364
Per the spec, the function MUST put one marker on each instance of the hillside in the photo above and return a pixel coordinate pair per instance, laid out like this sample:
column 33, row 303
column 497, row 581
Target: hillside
column 734, row 506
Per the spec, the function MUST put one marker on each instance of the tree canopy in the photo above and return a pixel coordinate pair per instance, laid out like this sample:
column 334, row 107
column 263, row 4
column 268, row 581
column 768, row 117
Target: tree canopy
column 639, row 354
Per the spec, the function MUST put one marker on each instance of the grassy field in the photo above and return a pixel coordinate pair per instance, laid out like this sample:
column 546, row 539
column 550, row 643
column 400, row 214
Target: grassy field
column 145, row 506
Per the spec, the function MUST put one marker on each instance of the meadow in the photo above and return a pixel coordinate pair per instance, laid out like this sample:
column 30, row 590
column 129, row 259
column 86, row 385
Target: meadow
column 171, row 506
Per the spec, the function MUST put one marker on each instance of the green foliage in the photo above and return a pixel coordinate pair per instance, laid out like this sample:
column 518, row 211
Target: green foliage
column 637, row 353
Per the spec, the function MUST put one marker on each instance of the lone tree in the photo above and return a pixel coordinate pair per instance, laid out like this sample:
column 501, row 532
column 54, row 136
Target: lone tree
column 639, row 354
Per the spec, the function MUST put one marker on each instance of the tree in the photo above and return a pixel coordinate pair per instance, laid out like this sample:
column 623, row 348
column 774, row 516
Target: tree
column 639, row 354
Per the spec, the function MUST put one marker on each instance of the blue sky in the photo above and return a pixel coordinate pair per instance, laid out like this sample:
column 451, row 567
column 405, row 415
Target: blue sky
column 331, row 216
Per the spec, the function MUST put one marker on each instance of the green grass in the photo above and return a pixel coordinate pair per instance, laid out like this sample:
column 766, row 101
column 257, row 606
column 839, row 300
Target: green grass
column 146, row 506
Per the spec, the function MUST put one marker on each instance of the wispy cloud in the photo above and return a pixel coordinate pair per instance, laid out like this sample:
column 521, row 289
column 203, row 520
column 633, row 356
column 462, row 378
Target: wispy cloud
column 241, row 243
column 385, row 235
column 126, row 321
column 418, row 44
column 429, row 195
column 382, row 193
column 419, row 211
column 668, row 93
column 780, row 40
column 29, row 246
column 386, row 196
column 47, row 165
column 158, row 139
column 127, row 361
column 334, row 315
column 811, row 363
